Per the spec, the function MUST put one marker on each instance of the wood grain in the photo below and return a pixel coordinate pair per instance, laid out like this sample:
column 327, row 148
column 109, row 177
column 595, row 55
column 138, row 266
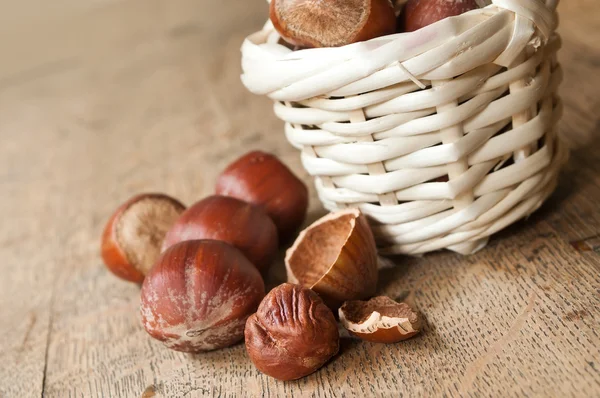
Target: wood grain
column 117, row 97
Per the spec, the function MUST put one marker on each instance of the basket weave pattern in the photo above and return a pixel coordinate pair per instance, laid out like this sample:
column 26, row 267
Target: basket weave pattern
column 441, row 137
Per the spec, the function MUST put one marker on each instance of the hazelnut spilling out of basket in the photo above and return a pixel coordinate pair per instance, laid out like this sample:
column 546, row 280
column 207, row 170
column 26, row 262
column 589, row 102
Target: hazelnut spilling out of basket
column 292, row 334
column 332, row 23
column 336, row 257
column 199, row 294
column 260, row 204
column 420, row 13
column 205, row 291
column 245, row 226
column 263, row 180
column 380, row 320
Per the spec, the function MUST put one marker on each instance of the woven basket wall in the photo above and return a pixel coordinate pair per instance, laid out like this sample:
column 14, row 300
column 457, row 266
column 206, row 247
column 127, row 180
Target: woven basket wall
column 441, row 136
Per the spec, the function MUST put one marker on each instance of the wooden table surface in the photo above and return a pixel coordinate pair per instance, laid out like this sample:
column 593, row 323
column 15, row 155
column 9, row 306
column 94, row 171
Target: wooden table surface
column 100, row 100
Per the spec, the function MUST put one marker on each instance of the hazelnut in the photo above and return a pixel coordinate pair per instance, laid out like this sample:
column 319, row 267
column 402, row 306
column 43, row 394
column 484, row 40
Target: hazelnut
column 238, row 223
column 332, row 23
column 336, row 257
column 199, row 294
column 420, row 13
column 380, row 320
column 261, row 179
column 292, row 334
column 133, row 235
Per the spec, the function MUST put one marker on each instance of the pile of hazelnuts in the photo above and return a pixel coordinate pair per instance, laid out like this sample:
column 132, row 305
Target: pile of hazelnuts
column 202, row 269
column 334, row 23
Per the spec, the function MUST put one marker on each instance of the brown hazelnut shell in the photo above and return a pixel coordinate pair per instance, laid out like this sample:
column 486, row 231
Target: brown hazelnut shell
column 380, row 320
column 420, row 13
column 332, row 23
column 336, row 257
column 292, row 334
column 263, row 180
column 198, row 296
column 133, row 235
column 230, row 220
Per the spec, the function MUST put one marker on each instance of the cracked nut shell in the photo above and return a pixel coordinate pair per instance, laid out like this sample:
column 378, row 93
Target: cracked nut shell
column 292, row 334
column 336, row 257
column 199, row 294
column 380, row 320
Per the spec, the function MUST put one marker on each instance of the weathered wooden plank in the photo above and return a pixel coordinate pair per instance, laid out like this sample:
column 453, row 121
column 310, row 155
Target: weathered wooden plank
column 155, row 103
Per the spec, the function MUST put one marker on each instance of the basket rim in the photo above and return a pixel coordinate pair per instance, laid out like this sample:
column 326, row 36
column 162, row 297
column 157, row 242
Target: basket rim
column 498, row 32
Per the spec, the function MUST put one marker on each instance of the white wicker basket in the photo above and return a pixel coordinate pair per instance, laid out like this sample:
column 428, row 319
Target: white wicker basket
column 441, row 136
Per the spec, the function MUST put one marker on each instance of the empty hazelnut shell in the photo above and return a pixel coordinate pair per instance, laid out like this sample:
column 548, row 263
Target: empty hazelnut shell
column 420, row 13
column 336, row 257
column 380, row 320
column 332, row 23
column 292, row 334
column 133, row 236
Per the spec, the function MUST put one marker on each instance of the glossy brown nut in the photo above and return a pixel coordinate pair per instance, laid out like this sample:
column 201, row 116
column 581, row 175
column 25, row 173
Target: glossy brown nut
column 380, row 320
column 420, row 13
column 332, row 23
column 336, row 257
column 261, row 179
column 133, row 236
column 238, row 223
column 199, row 294
column 292, row 334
